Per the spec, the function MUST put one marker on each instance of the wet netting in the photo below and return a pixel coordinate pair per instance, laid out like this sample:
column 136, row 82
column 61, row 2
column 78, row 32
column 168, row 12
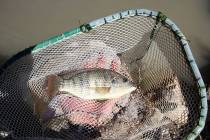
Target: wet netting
column 139, row 57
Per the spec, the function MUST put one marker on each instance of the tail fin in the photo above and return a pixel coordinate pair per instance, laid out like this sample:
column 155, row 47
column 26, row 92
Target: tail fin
column 52, row 85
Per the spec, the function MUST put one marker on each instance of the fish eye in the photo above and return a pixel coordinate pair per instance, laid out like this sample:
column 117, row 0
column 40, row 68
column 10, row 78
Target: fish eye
column 125, row 80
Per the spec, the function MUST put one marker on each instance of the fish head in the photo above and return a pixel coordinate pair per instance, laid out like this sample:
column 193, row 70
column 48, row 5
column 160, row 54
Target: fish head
column 121, row 81
column 122, row 85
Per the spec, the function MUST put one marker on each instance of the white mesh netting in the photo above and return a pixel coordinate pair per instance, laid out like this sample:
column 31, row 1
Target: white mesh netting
column 165, row 105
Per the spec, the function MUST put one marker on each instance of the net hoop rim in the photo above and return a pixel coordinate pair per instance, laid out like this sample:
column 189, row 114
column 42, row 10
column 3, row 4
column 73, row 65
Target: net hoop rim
column 117, row 16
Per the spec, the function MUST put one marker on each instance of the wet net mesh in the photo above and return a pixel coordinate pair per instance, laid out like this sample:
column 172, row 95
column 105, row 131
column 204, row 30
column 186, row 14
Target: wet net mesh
column 164, row 106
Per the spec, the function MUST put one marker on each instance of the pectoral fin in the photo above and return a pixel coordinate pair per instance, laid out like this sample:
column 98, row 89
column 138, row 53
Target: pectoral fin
column 102, row 90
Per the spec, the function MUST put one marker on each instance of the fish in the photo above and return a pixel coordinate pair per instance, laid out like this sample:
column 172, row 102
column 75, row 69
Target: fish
column 98, row 84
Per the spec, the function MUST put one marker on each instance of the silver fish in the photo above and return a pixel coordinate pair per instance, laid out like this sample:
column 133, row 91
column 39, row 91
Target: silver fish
column 99, row 84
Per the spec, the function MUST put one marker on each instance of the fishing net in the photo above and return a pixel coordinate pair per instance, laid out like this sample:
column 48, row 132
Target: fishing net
column 143, row 46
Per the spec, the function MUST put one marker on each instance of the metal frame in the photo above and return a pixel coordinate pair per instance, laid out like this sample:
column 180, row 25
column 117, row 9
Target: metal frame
column 120, row 15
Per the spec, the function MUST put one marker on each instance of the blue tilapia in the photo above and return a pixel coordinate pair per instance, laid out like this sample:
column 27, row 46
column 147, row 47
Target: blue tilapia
column 99, row 84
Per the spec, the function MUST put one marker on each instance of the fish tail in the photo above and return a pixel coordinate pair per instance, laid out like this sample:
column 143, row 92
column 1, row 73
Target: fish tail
column 52, row 85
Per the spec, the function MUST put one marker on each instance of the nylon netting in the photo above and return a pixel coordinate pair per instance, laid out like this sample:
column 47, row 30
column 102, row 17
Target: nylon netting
column 165, row 105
